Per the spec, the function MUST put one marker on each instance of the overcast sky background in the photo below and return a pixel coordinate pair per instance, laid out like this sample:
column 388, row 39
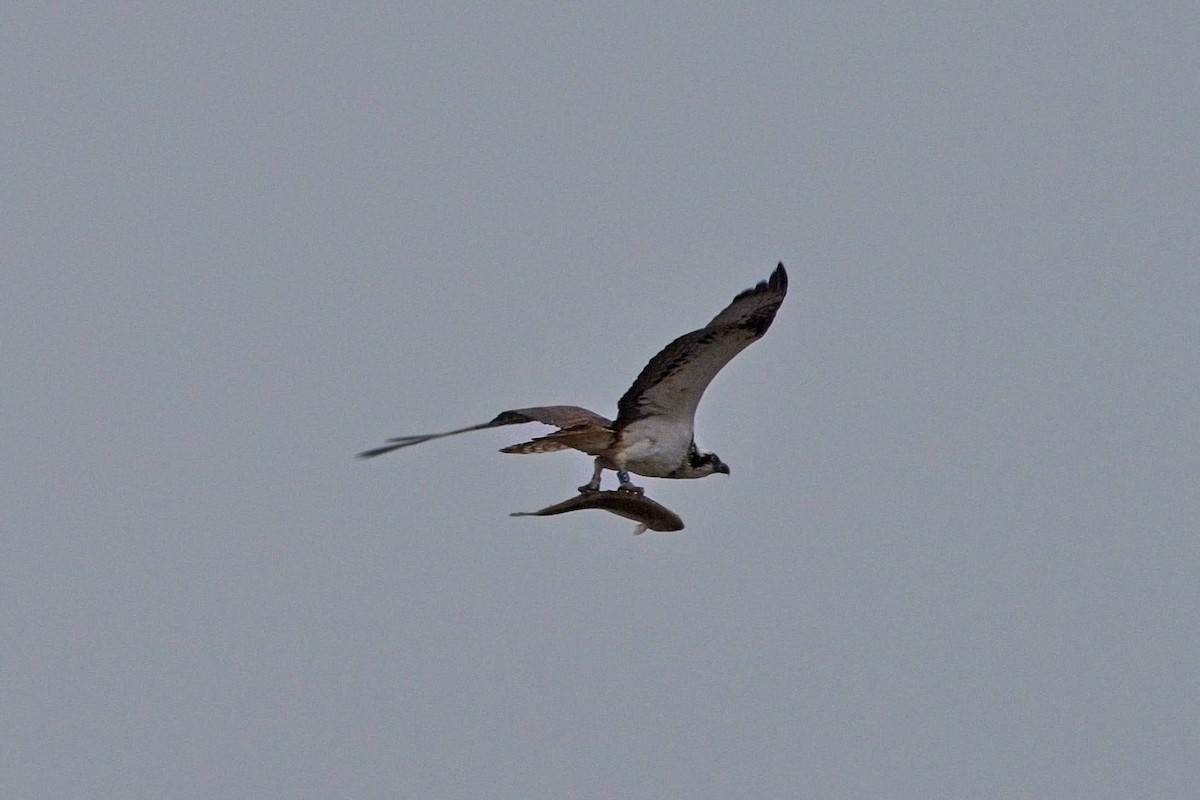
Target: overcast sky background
column 957, row 556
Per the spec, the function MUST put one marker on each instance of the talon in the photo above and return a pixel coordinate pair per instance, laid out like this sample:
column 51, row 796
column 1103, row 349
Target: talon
column 626, row 485
column 594, row 484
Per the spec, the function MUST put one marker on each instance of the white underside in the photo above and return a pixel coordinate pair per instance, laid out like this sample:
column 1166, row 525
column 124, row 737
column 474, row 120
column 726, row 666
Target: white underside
column 652, row 447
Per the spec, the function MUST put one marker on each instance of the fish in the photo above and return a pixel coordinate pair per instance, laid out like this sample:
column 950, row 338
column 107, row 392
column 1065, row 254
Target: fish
column 649, row 514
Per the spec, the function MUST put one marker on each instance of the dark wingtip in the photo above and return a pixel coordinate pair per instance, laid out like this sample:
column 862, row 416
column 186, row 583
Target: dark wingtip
column 779, row 279
column 778, row 282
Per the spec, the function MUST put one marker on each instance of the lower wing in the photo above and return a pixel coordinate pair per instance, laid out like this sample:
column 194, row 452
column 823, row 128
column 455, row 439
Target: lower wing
column 558, row 416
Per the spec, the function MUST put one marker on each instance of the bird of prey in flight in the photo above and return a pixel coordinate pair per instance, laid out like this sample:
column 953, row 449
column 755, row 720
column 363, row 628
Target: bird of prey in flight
column 653, row 432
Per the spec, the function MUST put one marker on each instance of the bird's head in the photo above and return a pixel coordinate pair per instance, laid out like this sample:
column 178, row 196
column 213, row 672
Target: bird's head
column 704, row 463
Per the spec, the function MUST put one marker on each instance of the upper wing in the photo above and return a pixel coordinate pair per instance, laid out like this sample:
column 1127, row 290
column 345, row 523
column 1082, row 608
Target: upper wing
column 674, row 380
column 558, row 416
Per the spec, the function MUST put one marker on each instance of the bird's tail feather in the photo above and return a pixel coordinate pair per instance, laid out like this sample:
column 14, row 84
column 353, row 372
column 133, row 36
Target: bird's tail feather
column 589, row 439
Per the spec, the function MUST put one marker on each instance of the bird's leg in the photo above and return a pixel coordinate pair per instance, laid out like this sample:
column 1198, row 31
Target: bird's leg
column 594, row 484
column 626, row 485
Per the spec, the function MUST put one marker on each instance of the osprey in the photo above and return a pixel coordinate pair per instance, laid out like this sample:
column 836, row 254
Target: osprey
column 653, row 432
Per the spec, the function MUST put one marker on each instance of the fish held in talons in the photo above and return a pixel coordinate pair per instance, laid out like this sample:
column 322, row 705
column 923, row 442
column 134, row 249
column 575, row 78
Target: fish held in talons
column 649, row 515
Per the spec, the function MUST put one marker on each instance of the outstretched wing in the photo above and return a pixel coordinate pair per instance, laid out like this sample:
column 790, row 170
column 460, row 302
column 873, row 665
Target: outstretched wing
column 558, row 416
column 672, row 383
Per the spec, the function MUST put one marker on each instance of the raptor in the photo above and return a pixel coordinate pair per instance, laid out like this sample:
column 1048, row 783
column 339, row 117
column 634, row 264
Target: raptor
column 653, row 434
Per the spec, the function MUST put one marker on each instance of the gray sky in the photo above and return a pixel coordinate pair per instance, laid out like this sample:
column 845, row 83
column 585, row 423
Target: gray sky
column 957, row 556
